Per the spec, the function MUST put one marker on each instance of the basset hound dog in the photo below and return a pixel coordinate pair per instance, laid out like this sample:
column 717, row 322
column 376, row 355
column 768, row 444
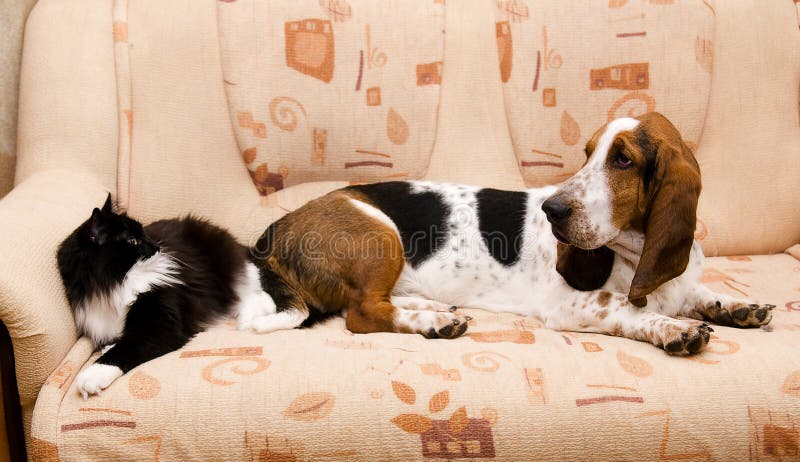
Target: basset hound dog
column 611, row 250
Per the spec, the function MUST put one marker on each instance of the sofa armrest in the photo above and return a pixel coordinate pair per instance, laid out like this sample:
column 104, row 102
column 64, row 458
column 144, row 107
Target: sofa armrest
column 36, row 216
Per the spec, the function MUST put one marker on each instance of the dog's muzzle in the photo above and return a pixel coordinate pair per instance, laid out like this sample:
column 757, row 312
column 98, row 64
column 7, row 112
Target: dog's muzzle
column 558, row 213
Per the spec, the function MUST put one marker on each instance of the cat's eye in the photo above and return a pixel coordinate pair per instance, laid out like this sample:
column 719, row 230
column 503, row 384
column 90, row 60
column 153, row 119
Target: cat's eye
column 133, row 241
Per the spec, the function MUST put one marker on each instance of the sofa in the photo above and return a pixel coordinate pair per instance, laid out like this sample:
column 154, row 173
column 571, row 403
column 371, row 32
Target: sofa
column 243, row 110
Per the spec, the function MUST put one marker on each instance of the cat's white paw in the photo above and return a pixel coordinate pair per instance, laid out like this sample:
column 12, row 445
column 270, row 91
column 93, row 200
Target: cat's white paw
column 254, row 306
column 95, row 378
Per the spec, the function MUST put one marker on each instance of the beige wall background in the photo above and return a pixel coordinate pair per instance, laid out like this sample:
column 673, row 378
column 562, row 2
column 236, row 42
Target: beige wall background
column 13, row 14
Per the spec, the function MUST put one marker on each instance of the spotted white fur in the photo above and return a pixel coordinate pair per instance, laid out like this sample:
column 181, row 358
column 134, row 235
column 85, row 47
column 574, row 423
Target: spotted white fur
column 462, row 272
column 591, row 184
column 417, row 303
column 102, row 316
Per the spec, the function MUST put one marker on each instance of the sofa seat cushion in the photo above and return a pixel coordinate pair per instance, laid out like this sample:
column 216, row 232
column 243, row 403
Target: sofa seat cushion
column 509, row 390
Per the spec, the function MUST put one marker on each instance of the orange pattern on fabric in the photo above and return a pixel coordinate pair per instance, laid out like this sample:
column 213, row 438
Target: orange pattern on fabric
column 309, row 407
column 120, row 31
column 504, row 49
column 257, row 365
column 143, row 386
column 633, row 76
column 245, row 120
column 62, row 375
column 374, row 96
column 309, row 47
column 429, row 73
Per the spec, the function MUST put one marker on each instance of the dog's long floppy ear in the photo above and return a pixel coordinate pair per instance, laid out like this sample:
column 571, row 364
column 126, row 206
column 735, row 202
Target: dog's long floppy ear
column 670, row 218
column 584, row 269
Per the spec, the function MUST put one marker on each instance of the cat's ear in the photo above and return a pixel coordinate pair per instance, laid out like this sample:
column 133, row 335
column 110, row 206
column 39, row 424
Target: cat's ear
column 97, row 229
column 108, row 207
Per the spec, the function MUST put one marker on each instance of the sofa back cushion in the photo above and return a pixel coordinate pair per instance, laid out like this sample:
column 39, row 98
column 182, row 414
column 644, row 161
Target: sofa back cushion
column 181, row 147
column 569, row 66
column 332, row 89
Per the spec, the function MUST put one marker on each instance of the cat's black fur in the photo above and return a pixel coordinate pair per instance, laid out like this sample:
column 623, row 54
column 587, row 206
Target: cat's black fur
column 96, row 257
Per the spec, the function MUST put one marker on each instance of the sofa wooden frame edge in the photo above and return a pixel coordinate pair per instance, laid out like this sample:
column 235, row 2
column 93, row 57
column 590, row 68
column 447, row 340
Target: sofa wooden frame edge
column 11, row 401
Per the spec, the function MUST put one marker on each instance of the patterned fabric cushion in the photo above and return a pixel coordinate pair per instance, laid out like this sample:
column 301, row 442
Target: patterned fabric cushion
column 332, row 89
column 569, row 66
column 510, row 390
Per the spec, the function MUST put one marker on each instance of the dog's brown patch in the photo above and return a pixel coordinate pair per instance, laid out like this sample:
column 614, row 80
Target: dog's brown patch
column 330, row 254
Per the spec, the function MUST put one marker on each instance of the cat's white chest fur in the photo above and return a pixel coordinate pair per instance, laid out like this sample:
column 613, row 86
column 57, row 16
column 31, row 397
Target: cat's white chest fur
column 102, row 316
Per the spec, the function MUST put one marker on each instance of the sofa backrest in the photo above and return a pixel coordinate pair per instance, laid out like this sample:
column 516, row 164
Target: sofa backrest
column 332, row 90
column 569, row 66
column 241, row 109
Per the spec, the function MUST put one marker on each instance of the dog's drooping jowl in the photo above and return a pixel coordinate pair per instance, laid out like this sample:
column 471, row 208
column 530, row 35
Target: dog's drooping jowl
column 142, row 292
column 611, row 250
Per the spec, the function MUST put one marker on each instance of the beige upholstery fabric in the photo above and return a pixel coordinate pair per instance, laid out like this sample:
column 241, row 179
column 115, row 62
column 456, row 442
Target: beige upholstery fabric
column 183, row 156
column 40, row 212
column 135, row 93
column 568, row 67
column 293, row 69
column 67, row 115
column 12, row 23
column 794, row 251
column 752, row 131
column 7, row 165
column 511, row 390
column 472, row 145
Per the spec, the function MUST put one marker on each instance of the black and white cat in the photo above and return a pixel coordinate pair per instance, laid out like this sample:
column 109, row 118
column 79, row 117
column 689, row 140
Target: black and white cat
column 142, row 292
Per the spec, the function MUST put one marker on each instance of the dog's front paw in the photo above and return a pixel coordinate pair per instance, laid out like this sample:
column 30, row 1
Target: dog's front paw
column 448, row 325
column 95, row 378
column 431, row 324
column 687, row 338
column 739, row 314
column 752, row 314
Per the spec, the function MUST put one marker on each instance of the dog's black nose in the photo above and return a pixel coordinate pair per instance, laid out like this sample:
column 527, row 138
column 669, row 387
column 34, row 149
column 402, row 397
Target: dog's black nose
column 556, row 210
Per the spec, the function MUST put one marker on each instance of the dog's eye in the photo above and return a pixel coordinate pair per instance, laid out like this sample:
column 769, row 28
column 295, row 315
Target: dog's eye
column 622, row 161
column 133, row 241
